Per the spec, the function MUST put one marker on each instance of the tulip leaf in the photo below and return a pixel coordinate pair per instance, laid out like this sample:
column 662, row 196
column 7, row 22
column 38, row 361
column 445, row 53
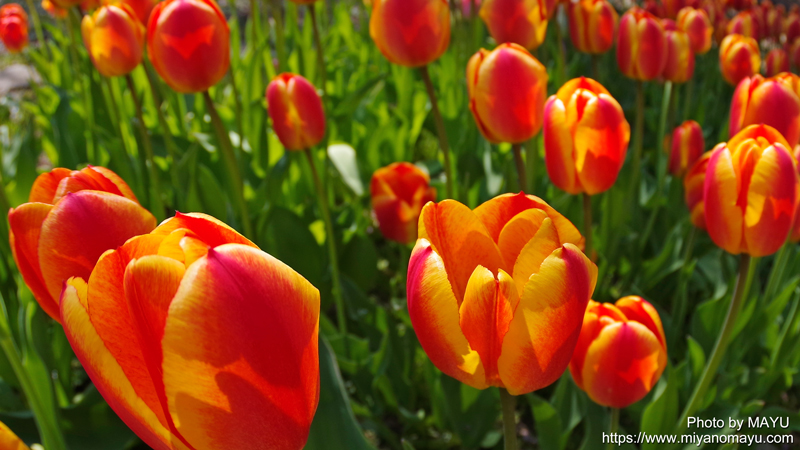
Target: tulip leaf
column 548, row 423
column 343, row 157
column 661, row 414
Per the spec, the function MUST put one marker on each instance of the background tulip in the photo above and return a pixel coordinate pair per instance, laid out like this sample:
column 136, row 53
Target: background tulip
column 9, row 440
column 188, row 42
column 777, row 62
column 680, row 58
column 66, row 4
column 296, row 111
column 686, row 147
column 198, row 339
column 739, row 57
column 142, row 8
column 411, row 33
column 477, row 281
column 693, row 185
column 654, row 7
column 744, row 23
column 114, row 38
column 522, row 22
column 399, row 191
column 507, row 89
column 592, row 25
column 621, row 352
column 794, row 237
column 774, row 19
column 13, row 27
column 54, row 10
column 641, row 45
column 750, row 192
column 792, row 27
column 773, row 101
column 696, row 24
column 585, row 137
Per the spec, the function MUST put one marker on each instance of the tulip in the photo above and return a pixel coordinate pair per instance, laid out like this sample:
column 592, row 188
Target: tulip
column 507, row 89
column 621, row 352
column 197, row 339
column 773, row 101
column 71, row 218
column 592, row 25
column 654, row 7
column 9, row 440
column 738, row 5
column 399, row 191
column 468, row 5
column 13, row 9
column 522, row 22
column 750, row 192
column 114, row 38
column 739, row 57
column 777, row 62
column 795, row 236
column 672, row 7
column 696, row 24
column 188, row 44
column 792, row 27
column 88, row 6
column 680, row 58
column 14, row 28
column 496, row 295
column 296, row 111
column 686, row 146
column 411, row 33
column 142, row 8
column 585, row 137
column 55, row 11
column 693, row 185
column 641, row 45
column 744, row 23
column 774, row 19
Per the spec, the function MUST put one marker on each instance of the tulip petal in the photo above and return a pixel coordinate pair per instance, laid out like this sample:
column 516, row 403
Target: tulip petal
column 723, row 216
column 208, row 229
column 637, row 309
column 45, row 187
column 558, row 147
column 518, row 233
column 533, row 254
column 601, row 142
column 9, row 440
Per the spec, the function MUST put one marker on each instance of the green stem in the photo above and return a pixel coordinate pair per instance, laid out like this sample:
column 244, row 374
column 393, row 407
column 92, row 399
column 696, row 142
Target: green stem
column 437, row 118
column 37, row 26
column 662, row 165
column 280, row 38
column 157, row 208
column 679, row 313
column 687, row 107
column 776, row 274
column 520, row 163
column 229, row 157
column 85, row 83
column 172, row 149
column 787, row 325
column 509, row 405
column 532, row 161
column 587, row 225
column 238, row 109
column 637, row 143
column 323, row 73
column 613, row 426
column 562, row 58
column 596, row 67
column 124, row 163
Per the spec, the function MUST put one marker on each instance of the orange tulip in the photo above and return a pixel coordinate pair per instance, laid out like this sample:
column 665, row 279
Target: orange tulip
column 199, row 340
column 585, row 137
column 142, row 8
column 399, row 191
column 72, row 218
column 777, row 62
column 693, row 185
column 188, row 44
column 296, row 111
column 680, row 58
column 522, row 22
column 621, row 352
column 497, row 295
column 54, row 11
column 744, row 23
column 792, row 27
column 411, row 33
column 686, row 146
column 739, row 57
column 13, row 9
column 507, row 89
column 696, row 24
column 641, row 45
column 114, row 38
column 773, row 101
column 592, row 25
column 9, row 440
column 750, row 192
column 774, row 19
column 13, row 27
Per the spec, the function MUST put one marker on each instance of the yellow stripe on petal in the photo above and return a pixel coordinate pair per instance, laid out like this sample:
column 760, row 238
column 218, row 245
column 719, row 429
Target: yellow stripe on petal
column 723, row 216
column 535, row 251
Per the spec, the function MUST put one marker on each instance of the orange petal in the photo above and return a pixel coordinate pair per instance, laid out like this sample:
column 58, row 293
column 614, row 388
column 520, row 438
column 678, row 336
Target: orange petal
column 558, row 147
column 206, row 228
column 723, row 217
column 535, row 251
column 9, row 440
column 46, row 184
column 638, row 309
column 518, row 232
column 601, row 142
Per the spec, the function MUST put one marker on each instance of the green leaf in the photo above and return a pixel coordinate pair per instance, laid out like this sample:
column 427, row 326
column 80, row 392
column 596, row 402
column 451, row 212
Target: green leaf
column 548, row 423
column 343, row 158
column 660, row 415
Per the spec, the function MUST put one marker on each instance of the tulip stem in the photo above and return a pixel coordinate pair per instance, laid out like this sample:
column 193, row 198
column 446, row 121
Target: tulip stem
column 323, row 76
column 440, row 130
column 520, row 163
column 172, row 149
column 155, row 189
column 776, row 274
column 739, row 294
column 587, row 225
column 85, row 81
column 509, row 405
column 687, row 107
column 280, row 39
column 237, row 184
column 562, row 58
column 37, row 25
column 679, row 313
column 596, row 67
column 637, row 143
column 613, row 426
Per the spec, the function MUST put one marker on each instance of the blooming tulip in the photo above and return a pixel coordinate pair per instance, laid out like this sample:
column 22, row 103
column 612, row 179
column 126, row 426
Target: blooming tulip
column 411, row 33
column 13, row 27
column 142, row 8
column 188, row 44
column 621, row 352
column 72, row 218
column 696, row 24
column 585, row 137
column 641, row 45
column 399, row 191
column 9, row 440
column 680, row 58
column 693, row 185
column 777, row 62
column 199, row 340
column 54, row 10
column 744, row 23
column 496, row 295
column 792, row 27
column 296, row 111
column 592, row 25
column 114, row 38
column 773, row 101
column 507, row 89
column 522, row 22
column 685, row 146
column 739, row 57
column 750, row 192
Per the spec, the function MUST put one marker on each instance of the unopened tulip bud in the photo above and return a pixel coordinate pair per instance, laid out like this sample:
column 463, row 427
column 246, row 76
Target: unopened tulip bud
column 114, row 38
column 693, row 186
column 772, row 101
column 13, row 27
column 680, row 58
column 686, row 147
column 696, row 24
column 296, row 111
column 592, row 25
column 744, row 23
column 522, row 22
column 641, row 45
column 411, row 33
column 777, row 62
column 399, row 191
column 739, row 57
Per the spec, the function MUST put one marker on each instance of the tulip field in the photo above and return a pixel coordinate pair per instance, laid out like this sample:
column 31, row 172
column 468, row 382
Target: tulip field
column 399, row 224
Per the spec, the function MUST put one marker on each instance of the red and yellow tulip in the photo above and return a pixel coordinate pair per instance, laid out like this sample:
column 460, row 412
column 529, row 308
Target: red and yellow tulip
column 744, row 23
column 693, row 185
column 9, row 440
column 777, row 62
column 296, row 111
column 772, row 101
column 739, row 57
column 522, row 22
column 592, row 25
column 792, row 26
column 114, row 38
column 411, row 33
column 680, row 58
column 13, row 27
column 696, row 24
column 686, row 146
column 399, row 191
column 641, row 45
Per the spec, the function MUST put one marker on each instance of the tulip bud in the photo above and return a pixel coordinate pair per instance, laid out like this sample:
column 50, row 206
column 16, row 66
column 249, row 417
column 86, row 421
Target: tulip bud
column 55, row 11
column 621, row 352
column 199, row 340
column 522, row 22
column 750, row 192
column 296, row 111
column 13, row 27
column 114, row 38
column 680, row 58
column 411, row 33
column 503, row 114
column 72, row 218
column 399, row 191
column 641, row 45
column 744, row 23
column 773, row 101
column 592, row 25
column 687, row 145
column 672, row 7
column 585, row 137
column 9, row 440
column 13, row 9
column 142, row 8
column 693, row 185
column 188, row 44
column 792, row 26
column 777, row 62
column 696, row 24
column 739, row 57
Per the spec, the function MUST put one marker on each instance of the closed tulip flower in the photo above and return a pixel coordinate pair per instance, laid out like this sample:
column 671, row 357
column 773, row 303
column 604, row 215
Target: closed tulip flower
column 672, row 7
column 411, row 33
column 772, row 101
column 592, row 25
column 792, row 27
column 585, row 137
column 9, row 440
column 777, row 62
column 66, row 4
column 72, row 218
column 399, row 191
column 296, row 111
column 197, row 339
column 693, row 185
column 522, row 22
column 654, row 7
column 750, row 192
column 641, row 45
column 13, row 27
column 114, row 38
column 13, row 9
column 507, row 89
column 188, row 42
column 696, row 24
column 744, row 23
column 686, row 147
column 621, row 352
column 496, row 295
column 774, row 19
column 680, row 58
column 739, row 57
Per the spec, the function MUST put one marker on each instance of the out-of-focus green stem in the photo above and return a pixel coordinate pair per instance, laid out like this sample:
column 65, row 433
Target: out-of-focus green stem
column 157, row 207
column 520, row 163
column 439, row 121
column 172, row 149
column 587, row 225
column 85, row 82
column 638, row 134
column 280, row 38
column 562, row 58
column 237, row 100
column 509, row 405
column 37, row 26
column 679, row 305
column 687, row 107
column 124, row 165
column 532, row 162
column 661, row 166
column 776, row 274
column 323, row 73
column 613, row 426
column 787, row 325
